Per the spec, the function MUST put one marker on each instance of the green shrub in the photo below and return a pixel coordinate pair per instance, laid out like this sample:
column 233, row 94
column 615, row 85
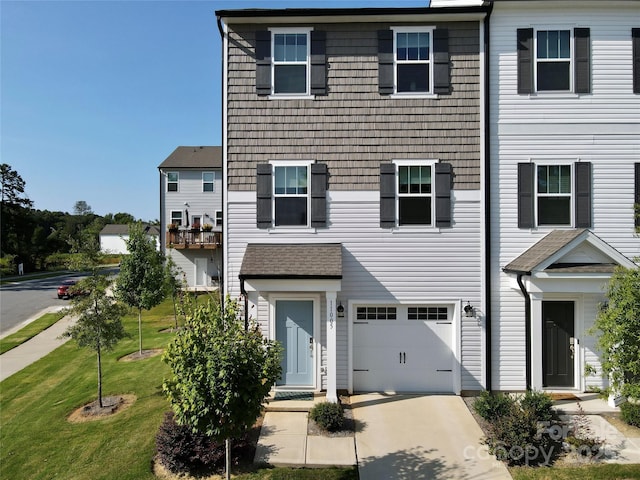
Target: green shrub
column 539, row 403
column 630, row 413
column 492, row 406
column 328, row 415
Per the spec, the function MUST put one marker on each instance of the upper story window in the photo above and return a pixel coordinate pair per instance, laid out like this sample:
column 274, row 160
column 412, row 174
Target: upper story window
column 208, row 181
column 291, row 195
column 413, row 57
column 554, row 60
column 415, row 193
column 218, row 218
column 415, row 203
column 172, row 181
column 176, row 217
column 554, row 194
column 290, row 63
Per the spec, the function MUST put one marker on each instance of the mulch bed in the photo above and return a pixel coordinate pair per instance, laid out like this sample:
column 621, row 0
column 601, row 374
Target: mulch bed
column 111, row 405
column 135, row 356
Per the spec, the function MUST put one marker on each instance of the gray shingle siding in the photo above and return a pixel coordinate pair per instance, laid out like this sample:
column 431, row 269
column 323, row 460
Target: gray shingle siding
column 354, row 128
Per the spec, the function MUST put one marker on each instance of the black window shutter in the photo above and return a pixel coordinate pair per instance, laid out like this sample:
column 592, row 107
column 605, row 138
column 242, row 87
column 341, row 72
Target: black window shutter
column 385, row 62
column 582, row 38
column 635, row 39
column 319, row 178
column 387, row 195
column 318, row 63
column 525, row 60
column 263, row 62
column 441, row 83
column 583, row 194
column 443, row 194
column 525, row 195
column 263, row 195
column 636, row 209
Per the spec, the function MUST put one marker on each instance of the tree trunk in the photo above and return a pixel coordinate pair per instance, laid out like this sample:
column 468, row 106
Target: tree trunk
column 175, row 311
column 227, row 445
column 140, row 331
column 99, row 376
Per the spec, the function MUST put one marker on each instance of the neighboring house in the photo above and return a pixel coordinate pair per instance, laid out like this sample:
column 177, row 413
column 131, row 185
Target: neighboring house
column 113, row 237
column 191, row 214
column 565, row 173
column 354, row 163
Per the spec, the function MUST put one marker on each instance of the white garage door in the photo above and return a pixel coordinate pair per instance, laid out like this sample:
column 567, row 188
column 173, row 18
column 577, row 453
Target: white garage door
column 406, row 349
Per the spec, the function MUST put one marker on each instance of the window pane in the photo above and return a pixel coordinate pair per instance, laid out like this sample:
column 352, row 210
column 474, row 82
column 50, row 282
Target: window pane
column 425, row 179
column 281, row 175
column 424, row 46
column 415, row 210
column 542, row 45
column 207, row 187
column 413, row 77
column 291, row 187
column 552, row 45
column 278, row 48
column 553, row 76
column 554, row 179
column 207, row 176
column 401, row 46
column 565, row 179
column 403, row 182
column 290, row 79
column 554, row 210
column 172, row 187
column 414, row 179
column 291, row 211
column 543, row 183
column 413, row 46
column 302, row 180
column 565, row 44
column 172, row 177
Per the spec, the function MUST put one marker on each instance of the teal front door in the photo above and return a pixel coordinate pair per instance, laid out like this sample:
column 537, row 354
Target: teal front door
column 294, row 330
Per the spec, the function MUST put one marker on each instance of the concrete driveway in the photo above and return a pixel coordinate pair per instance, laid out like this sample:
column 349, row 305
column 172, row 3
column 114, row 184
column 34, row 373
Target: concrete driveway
column 420, row 437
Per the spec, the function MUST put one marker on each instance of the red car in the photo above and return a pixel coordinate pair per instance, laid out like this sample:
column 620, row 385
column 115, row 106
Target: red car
column 65, row 290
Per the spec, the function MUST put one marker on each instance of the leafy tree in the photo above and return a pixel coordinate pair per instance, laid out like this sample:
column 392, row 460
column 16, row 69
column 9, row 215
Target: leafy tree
column 141, row 283
column 618, row 328
column 12, row 187
column 172, row 285
column 99, row 324
column 82, row 208
column 221, row 373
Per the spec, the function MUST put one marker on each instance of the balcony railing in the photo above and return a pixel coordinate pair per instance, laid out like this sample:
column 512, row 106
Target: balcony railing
column 193, row 239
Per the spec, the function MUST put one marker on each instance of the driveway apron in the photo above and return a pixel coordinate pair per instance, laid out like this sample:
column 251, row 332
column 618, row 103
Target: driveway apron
column 420, row 437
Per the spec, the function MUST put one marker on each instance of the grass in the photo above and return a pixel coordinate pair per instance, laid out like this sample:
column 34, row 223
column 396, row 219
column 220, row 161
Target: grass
column 591, row 472
column 29, row 331
column 37, row 441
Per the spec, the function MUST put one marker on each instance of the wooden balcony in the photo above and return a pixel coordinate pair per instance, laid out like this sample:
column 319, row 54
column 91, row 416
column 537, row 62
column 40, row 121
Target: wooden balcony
column 183, row 239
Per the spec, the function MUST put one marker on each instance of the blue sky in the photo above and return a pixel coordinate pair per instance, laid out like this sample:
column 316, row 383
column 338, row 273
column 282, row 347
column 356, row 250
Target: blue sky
column 95, row 95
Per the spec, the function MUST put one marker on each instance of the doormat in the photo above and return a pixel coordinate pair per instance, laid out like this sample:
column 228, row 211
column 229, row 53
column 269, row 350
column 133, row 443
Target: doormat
column 564, row 396
column 294, row 396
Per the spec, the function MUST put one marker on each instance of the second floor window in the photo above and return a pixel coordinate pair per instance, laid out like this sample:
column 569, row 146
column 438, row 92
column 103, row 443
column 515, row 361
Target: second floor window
column 208, row 179
column 553, row 60
column 291, row 195
column 413, row 61
column 218, row 218
column 176, row 218
column 290, row 63
column 414, row 195
column 172, row 181
column 554, row 194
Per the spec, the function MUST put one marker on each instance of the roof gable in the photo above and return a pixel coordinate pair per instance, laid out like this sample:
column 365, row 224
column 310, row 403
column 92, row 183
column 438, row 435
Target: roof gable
column 200, row 158
column 313, row 260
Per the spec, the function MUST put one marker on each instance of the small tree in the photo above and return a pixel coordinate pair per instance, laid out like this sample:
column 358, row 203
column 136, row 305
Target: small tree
column 618, row 328
column 221, row 373
column 172, row 285
column 99, row 324
column 140, row 283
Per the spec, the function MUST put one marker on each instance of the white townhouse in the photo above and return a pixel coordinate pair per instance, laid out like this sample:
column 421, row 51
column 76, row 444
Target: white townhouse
column 114, row 237
column 191, row 214
column 353, row 159
column 563, row 179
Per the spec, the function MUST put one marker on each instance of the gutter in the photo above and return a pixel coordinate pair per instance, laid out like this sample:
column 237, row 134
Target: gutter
column 223, row 287
column 527, row 326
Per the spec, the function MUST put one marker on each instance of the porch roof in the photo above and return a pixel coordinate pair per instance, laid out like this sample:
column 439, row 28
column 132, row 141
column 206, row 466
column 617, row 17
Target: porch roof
column 292, row 260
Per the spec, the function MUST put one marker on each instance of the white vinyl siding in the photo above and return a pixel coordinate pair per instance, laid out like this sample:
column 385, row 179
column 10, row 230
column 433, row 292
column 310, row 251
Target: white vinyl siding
column 379, row 265
column 602, row 128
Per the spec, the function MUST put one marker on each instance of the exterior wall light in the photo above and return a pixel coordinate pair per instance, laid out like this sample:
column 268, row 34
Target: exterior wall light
column 469, row 311
column 340, row 310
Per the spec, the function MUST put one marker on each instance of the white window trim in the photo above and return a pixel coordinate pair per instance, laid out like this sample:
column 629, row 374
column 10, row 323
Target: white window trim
column 415, row 29
column 416, row 228
column 572, row 202
column 215, row 218
column 177, row 182
column 291, row 96
column 571, row 59
column 291, row 228
column 213, row 182
column 171, row 218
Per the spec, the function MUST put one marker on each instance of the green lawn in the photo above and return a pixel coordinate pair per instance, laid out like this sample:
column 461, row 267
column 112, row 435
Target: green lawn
column 590, row 472
column 37, row 441
column 29, row 331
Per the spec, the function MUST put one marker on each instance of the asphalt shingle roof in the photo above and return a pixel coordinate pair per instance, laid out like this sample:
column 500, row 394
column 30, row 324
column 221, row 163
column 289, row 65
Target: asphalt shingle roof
column 120, row 229
column 308, row 260
column 194, row 157
column 542, row 250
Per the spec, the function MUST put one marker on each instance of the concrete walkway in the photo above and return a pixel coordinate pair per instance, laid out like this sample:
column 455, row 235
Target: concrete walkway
column 34, row 349
column 420, row 437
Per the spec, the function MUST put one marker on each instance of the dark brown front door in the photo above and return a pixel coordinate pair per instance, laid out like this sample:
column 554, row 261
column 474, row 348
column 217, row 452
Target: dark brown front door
column 557, row 346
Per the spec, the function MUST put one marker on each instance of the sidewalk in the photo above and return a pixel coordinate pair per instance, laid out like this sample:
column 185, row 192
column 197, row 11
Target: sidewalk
column 34, row 349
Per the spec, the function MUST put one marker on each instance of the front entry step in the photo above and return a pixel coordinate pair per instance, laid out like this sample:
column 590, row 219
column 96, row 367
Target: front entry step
column 293, row 401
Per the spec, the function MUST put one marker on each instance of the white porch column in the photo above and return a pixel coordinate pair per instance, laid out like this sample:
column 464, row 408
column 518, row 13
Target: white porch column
column 332, row 395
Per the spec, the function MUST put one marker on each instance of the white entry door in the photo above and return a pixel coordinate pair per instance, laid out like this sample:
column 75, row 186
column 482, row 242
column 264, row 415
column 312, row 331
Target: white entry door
column 201, row 272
